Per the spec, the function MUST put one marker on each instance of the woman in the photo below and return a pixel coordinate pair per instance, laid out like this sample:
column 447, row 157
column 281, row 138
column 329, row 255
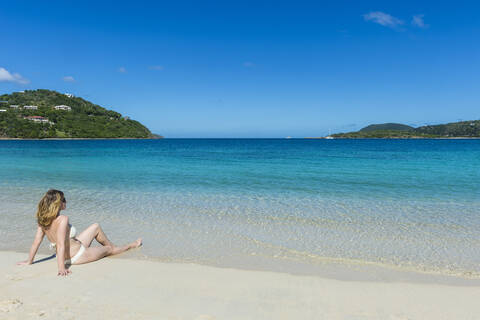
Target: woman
column 71, row 248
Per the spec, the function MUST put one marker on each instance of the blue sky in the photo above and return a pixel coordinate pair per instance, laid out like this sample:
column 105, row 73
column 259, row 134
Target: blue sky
column 251, row 68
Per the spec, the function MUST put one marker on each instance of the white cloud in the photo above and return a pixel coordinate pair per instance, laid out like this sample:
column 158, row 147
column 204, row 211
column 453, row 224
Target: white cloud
column 383, row 19
column 68, row 79
column 248, row 64
column 12, row 77
column 122, row 70
column 418, row 21
column 158, row 68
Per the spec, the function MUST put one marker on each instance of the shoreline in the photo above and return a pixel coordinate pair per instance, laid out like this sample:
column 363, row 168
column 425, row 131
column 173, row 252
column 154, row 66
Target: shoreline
column 327, row 268
column 32, row 139
column 130, row 288
column 394, row 138
column 304, row 138
column 358, row 272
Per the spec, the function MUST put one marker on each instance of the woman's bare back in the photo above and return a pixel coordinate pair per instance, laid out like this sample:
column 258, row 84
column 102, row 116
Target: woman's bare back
column 72, row 244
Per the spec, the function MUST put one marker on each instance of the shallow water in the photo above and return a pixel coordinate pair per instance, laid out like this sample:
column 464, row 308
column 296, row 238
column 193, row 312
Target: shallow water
column 409, row 204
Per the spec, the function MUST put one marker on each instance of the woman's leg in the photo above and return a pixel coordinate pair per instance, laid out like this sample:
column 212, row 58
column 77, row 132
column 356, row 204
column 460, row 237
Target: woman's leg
column 96, row 253
column 93, row 254
column 94, row 231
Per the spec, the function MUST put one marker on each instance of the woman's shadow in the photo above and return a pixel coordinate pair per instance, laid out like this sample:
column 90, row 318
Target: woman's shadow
column 45, row 259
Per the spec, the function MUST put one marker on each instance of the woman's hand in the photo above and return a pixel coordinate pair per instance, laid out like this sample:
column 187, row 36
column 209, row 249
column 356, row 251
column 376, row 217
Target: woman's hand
column 64, row 272
column 33, row 250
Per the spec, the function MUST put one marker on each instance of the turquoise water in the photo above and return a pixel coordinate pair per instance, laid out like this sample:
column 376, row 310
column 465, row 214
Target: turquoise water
column 411, row 204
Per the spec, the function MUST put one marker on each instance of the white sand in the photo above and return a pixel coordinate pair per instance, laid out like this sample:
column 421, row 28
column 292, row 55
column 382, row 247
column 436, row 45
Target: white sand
column 136, row 289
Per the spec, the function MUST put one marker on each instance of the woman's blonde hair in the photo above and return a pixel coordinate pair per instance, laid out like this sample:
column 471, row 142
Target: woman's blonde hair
column 49, row 207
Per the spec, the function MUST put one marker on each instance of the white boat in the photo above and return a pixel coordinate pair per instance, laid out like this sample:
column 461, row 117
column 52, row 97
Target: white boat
column 329, row 135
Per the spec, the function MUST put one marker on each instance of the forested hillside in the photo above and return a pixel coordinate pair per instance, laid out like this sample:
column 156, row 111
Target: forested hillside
column 83, row 120
column 462, row 129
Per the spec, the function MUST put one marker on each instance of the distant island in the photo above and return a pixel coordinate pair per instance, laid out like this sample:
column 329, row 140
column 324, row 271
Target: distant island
column 44, row 114
column 462, row 129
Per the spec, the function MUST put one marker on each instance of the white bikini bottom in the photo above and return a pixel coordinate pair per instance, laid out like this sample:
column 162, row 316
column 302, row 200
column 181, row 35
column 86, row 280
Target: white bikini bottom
column 77, row 256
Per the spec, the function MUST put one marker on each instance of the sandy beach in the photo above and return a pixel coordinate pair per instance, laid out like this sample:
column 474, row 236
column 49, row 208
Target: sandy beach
column 118, row 288
column 225, row 160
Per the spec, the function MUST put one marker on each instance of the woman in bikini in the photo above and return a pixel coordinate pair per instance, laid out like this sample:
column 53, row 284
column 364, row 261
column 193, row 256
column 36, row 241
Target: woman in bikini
column 70, row 247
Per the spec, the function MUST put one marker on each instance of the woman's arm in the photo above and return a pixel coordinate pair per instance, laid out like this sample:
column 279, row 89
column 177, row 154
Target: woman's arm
column 36, row 243
column 62, row 239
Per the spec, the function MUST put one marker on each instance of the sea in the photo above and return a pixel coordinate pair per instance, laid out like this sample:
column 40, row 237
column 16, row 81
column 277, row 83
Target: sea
column 289, row 205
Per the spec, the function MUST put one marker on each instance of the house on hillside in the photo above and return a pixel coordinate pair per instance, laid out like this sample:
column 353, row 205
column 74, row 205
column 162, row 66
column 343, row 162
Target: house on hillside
column 38, row 119
column 69, row 95
column 3, row 110
column 30, row 107
column 14, row 106
column 62, row 107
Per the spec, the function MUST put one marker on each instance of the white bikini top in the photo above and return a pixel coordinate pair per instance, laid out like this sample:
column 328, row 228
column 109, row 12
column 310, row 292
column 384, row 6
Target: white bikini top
column 73, row 233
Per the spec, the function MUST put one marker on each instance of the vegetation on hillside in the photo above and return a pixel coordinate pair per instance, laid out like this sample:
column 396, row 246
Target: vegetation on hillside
column 85, row 120
column 454, row 129
column 383, row 134
column 465, row 129
column 387, row 127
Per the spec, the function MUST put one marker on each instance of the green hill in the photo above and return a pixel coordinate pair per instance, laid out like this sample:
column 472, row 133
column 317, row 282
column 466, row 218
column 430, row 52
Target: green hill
column 463, row 129
column 84, row 120
column 454, row 129
column 387, row 126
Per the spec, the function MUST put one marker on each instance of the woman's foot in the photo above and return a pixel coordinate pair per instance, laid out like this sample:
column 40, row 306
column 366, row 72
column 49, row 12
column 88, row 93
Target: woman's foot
column 137, row 243
column 116, row 250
